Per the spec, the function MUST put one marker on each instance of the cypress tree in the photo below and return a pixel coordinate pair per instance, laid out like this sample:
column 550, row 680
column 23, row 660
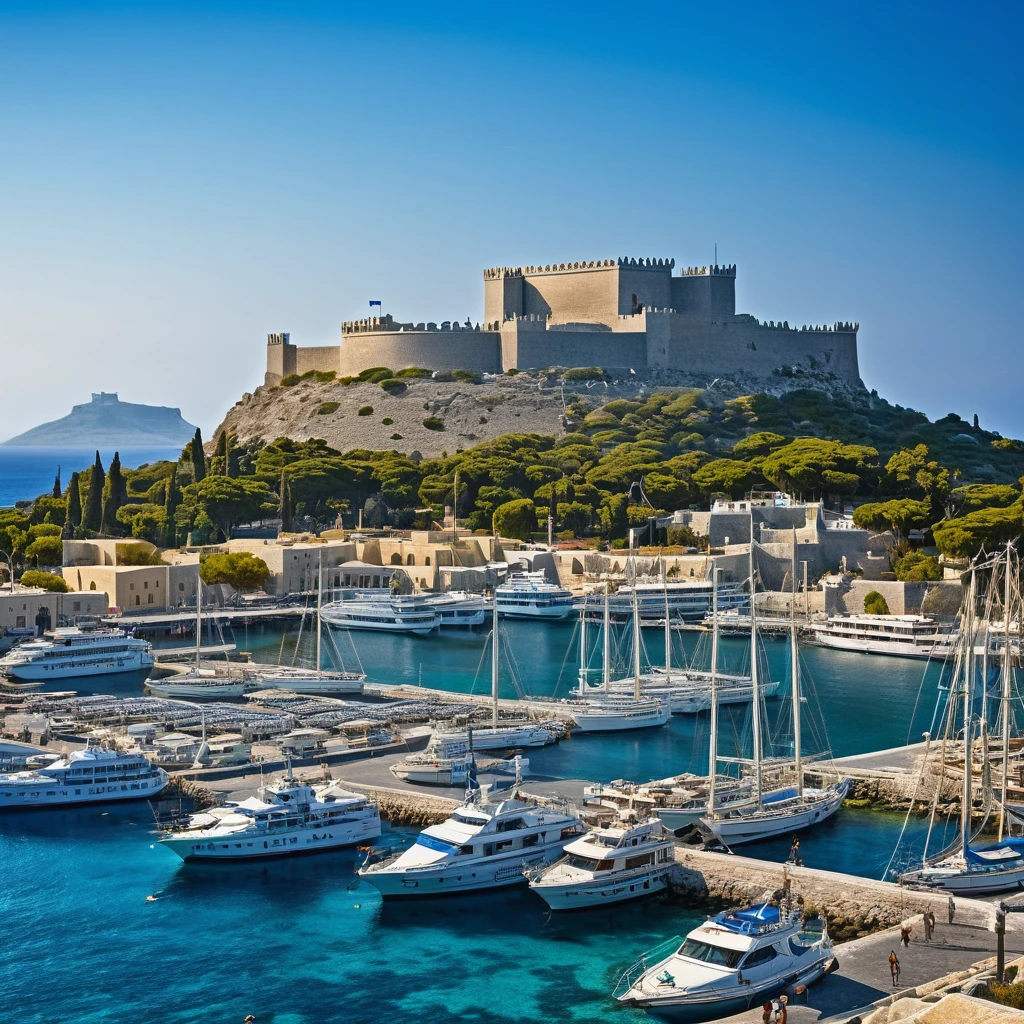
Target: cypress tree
column 92, row 514
column 553, row 505
column 73, row 517
column 220, row 455
column 115, row 495
column 56, row 484
column 285, row 505
column 171, row 503
column 233, row 469
column 198, row 457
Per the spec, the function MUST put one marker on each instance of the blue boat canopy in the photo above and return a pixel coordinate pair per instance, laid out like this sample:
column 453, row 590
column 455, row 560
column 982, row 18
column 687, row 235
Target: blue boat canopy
column 997, row 853
column 750, row 920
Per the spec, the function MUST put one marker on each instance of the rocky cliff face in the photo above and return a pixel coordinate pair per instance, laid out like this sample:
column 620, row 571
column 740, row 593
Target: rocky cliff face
column 107, row 421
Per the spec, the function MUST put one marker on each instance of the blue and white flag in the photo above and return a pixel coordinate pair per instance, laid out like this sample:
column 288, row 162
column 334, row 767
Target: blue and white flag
column 374, row 302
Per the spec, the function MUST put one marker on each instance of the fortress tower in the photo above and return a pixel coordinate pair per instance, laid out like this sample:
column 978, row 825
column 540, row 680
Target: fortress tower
column 619, row 314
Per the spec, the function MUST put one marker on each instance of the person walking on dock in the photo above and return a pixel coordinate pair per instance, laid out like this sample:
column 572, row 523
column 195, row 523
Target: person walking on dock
column 905, row 930
column 929, row 925
column 952, row 910
column 894, row 967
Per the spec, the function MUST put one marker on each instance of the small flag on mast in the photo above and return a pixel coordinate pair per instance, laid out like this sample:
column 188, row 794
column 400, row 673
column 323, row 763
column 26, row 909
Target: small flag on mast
column 374, row 302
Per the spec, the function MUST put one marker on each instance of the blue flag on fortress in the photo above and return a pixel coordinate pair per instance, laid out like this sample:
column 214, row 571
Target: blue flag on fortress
column 374, row 302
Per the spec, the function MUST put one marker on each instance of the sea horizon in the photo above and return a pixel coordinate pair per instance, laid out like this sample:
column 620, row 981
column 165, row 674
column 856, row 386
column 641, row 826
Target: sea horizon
column 27, row 471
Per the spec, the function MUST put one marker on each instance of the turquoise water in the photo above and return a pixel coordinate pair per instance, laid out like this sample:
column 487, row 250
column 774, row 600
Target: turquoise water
column 303, row 942
column 27, row 472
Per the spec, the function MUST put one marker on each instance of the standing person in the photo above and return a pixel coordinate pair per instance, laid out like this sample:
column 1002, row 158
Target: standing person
column 929, row 925
column 905, row 935
column 894, row 966
column 952, row 909
column 766, row 1013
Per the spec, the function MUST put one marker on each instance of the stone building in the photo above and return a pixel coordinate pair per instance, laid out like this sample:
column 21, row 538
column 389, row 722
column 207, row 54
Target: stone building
column 35, row 608
column 622, row 314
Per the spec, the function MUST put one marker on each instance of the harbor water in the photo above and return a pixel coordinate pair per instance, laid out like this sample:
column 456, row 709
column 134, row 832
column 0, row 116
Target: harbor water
column 105, row 925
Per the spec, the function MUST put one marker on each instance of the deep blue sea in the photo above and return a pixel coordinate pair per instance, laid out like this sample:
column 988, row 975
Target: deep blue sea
column 302, row 942
column 27, row 472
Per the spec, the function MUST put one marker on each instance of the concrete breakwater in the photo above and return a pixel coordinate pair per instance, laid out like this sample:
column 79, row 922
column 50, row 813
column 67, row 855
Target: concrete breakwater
column 853, row 906
column 415, row 810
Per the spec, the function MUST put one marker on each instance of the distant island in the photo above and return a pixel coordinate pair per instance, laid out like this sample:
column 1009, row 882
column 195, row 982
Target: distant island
column 107, row 421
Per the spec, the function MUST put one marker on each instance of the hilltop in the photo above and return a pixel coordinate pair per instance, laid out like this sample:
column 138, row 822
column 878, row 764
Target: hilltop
column 107, row 421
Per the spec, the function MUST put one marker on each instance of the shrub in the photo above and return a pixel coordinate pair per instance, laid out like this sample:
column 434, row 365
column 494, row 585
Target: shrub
column 327, row 408
column 393, row 386
column 374, row 374
column 239, row 569
column 396, row 437
column 618, row 407
column 138, row 554
column 875, row 604
column 515, row 519
column 290, row 381
column 387, row 421
column 512, row 372
column 365, row 410
column 584, row 373
column 324, row 376
column 345, row 381
column 1008, row 994
column 618, row 543
column 434, row 423
column 917, row 567
column 413, row 371
column 466, row 376
column 45, row 580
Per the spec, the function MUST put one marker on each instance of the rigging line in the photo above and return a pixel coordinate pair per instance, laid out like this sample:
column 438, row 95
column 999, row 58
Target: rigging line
column 570, row 647
column 917, row 699
column 910, row 809
column 479, row 665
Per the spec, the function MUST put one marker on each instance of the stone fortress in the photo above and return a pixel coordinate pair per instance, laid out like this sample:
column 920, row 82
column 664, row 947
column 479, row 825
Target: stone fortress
column 622, row 314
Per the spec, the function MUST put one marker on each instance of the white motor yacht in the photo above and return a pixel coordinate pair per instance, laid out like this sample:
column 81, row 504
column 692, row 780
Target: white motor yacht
column 502, row 737
column 482, row 845
column 612, row 714
column 389, row 614
column 309, row 682
column 608, row 865
column 93, row 775
column 202, row 684
column 457, row 608
column 529, row 595
column 907, row 636
column 732, row 962
column 445, row 762
column 288, row 817
column 69, row 653
column 689, row 692
column 686, row 600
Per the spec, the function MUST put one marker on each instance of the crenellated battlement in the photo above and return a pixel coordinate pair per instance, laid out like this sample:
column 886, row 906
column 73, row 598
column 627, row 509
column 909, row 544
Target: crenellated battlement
column 386, row 324
column 844, row 326
column 715, row 270
column 644, row 263
column 284, row 338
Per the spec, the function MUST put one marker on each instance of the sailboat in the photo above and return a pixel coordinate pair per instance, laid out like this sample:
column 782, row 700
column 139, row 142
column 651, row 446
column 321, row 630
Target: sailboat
column 316, row 682
column 964, row 867
column 614, row 712
column 782, row 809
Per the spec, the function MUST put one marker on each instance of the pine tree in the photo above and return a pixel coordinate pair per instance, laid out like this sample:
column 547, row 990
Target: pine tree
column 221, row 454
column 171, row 503
column 234, row 468
column 92, row 514
column 115, row 494
column 285, row 505
column 198, row 457
column 56, row 484
column 73, row 518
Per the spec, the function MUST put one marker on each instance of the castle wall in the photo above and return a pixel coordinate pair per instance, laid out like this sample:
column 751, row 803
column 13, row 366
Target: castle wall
column 433, row 350
column 322, row 357
column 742, row 345
column 652, row 287
column 503, row 296
column 527, row 345
column 585, row 296
column 280, row 358
column 704, row 294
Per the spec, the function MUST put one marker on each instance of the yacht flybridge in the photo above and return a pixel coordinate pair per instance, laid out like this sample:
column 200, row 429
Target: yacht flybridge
column 483, row 845
column 995, row 867
column 287, row 818
column 731, row 962
column 612, row 863
column 70, row 652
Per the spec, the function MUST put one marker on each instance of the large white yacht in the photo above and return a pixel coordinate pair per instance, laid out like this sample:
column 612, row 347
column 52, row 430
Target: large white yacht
column 685, row 600
column 503, row 737
column 458, row 608
column 529, row 595
column 908, row 636
column 93, row 775
column 202, row 684
column 445, row 762
column 689, row 692
column 310, row 682
column 608, row 865
column 288, row 817
column 618, row 713
column 388, row 613
column 732, row 962
column 482, row 845
column 71, row 652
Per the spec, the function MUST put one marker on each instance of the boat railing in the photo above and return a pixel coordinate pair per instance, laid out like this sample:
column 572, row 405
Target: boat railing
column 632, row 974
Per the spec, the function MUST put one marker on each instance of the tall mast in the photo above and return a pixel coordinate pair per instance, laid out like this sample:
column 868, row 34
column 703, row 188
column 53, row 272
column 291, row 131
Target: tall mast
column 794, row 651
column 319, row 604
column 199, row 612
column 668, row 630
column 455, row 509
column 965, row 811
column 636, row 641
column 606, row 661
column 713, row 751
column 754, row 685
column 1005, row 697
column 494, row 665
column 583, row 646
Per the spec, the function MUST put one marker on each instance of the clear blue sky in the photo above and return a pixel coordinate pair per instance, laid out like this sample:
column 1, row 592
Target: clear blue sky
column 178, row 180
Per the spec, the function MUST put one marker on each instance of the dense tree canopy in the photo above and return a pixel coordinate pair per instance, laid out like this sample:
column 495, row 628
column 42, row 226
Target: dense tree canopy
column 239, row 569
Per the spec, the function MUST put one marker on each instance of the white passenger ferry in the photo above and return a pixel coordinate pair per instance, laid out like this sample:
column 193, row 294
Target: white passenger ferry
column 732, row 962
column 389, row 614
column 530, row 596
column 93, row 775
column 481, row 846
column 686, row 600
column 288, row 817
column 71, row 652
column 608, row 865
column 908, row 636
column 458, row 608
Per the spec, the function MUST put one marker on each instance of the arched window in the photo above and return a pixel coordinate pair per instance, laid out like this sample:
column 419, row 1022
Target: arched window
column 427, row 561
column 411, row 560
column 92, row 585
column 149, row 599
column 137, row 601
column 396, row 559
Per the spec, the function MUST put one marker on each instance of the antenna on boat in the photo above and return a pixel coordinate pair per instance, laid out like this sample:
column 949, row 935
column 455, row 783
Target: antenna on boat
column 606, row 640
column 713, row 746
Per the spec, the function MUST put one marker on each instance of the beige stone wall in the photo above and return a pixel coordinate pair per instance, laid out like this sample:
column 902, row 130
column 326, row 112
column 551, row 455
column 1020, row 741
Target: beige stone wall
column 583, row 296
column 18, row 610
column 324, row 357
column 294, row 567
column 479, row 351
column 135, row 588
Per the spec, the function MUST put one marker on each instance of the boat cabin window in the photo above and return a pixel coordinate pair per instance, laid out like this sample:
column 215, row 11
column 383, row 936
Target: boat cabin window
column 706, row 953
column 637, row 862
column 760, row 956
column 466, row 820
column 512, row 825
column 574, row 860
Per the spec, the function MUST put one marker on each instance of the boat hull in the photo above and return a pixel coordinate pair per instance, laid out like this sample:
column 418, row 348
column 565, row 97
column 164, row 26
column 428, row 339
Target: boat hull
column 579, row 895
column 54, row 796
column 749, row 828
column 38, row 672
column 213, row 692
column 968, row 883
column 892, row 649
column 619, row 723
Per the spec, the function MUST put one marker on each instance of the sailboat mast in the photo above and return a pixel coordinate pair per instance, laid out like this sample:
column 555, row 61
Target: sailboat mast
column 794, row 653
column 965, row 810
column 713, row 746
column 583, row 645
column 668, row 632
column 199, row 613
column 319, row 605
column 1005, row 697
column 755, row 689
column 636, row 641
column 606, row 661
column 494, row 665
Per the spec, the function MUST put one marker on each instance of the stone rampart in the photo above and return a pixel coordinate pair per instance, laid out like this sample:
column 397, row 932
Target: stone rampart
column 479, row 351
